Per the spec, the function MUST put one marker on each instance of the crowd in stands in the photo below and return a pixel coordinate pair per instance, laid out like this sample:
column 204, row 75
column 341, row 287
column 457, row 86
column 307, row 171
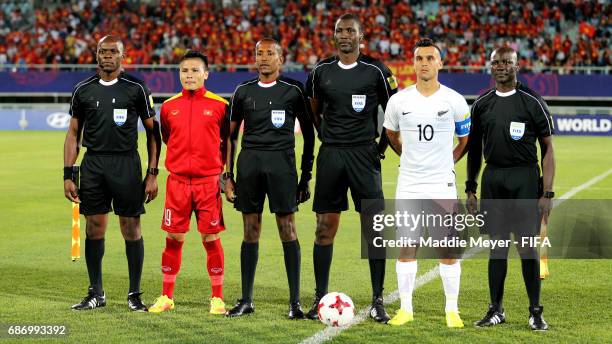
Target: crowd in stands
column 545, row 33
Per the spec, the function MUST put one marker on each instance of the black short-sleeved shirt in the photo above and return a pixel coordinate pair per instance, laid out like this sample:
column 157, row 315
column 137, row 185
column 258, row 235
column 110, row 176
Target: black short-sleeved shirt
column 349, row 96
column 509, row 124
column 269, row 112
column 110, row 112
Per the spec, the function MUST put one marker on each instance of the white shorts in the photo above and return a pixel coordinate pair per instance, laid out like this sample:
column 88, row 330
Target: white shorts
column 425, row 191
column 415, row 199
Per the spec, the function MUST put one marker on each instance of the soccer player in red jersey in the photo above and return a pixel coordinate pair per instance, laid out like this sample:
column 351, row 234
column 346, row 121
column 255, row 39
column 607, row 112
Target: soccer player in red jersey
column 195, row 127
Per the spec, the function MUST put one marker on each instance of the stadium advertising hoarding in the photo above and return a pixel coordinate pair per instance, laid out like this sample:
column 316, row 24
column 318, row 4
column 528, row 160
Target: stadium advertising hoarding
column 580, row 124
column 166, row 82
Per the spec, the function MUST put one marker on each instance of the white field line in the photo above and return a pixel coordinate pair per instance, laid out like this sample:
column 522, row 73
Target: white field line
column 330, row 332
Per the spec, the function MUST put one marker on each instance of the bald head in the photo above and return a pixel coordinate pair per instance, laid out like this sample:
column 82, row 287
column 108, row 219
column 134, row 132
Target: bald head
column 111, row 39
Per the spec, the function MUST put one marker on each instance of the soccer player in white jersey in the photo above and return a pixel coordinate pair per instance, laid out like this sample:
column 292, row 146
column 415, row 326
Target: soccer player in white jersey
column 421, row 122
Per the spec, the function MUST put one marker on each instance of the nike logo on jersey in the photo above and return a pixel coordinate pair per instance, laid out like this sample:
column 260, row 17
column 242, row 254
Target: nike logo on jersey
column 405, row 113
column 440, row 113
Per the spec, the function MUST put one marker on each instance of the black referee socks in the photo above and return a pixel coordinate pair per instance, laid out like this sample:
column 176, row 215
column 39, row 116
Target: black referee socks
column 94, row 251
column 293, row 262
column 498, row 268
column 377, row 276
column 134, row 251
column 531, row 276
column 322, row 258
column 249, row 254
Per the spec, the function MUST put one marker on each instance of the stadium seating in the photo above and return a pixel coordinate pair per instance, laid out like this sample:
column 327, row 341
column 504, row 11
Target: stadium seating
column 552, row 33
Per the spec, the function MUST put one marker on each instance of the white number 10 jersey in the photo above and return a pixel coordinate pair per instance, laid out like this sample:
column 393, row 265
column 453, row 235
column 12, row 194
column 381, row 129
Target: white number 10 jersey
column 427, row 126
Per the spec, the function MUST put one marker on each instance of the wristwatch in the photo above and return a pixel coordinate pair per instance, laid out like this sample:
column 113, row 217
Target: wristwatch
column 227, row 175
column 548, row 194
column 153, row 171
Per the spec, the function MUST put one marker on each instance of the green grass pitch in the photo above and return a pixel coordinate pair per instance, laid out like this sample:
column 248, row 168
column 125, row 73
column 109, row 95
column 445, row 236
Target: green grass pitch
column 39, row 282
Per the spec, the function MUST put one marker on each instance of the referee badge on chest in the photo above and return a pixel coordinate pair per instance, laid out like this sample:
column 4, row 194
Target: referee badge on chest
column 359, row 101
column 119, row 116
column 517, row 129
column 278, row 118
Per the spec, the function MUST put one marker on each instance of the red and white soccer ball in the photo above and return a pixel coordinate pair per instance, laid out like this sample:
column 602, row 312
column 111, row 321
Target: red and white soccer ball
column 336, row 309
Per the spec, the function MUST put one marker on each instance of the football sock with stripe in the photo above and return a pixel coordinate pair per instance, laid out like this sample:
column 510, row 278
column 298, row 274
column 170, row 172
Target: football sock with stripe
column 291, row 250
column 94, row 252
column 406, row 276
column 249, row 254
column 215, row 266
column 171, row 265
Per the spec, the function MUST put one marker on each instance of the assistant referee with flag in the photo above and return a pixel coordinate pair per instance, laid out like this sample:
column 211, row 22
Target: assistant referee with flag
column 506, row 122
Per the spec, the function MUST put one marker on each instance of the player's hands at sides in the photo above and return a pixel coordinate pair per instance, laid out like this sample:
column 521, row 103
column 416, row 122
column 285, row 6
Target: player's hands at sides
column 70, row 191
column 150, row 188
column 471, row 203
column 545, row 206
column 303, row 192
column 230, row 190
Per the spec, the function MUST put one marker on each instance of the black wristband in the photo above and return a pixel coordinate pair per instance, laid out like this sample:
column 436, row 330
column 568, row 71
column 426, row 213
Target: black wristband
column 471, row 186
column 153, row 171
column 67, row 172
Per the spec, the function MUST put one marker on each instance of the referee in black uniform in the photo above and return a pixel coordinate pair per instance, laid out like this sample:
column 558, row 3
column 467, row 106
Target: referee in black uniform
column 506, row 122
column 345, row 92
column 105, row 109
column 269, row 105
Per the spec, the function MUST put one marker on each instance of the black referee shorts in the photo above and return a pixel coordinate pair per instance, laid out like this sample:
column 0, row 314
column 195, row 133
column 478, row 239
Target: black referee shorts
column 266, row 172
column 510, row 198
column 115, row 178
column 341, row 168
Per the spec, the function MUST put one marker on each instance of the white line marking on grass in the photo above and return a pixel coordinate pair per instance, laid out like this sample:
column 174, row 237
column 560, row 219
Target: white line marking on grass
column 330, row 332
column 577, row 189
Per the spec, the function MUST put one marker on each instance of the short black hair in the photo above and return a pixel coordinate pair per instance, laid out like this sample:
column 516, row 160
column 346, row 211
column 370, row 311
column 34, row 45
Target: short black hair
column 194, row 54
column 353, row 17
column 426, row 42
column 277, row 45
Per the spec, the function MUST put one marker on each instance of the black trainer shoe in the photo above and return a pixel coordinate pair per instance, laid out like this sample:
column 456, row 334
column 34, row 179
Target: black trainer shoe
column 378, row 312
column 536, row 321
column 135, row 303
column 295, row 311
column 90, row 301
column 313, row 313
column 241, row 308
column 493, row 317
